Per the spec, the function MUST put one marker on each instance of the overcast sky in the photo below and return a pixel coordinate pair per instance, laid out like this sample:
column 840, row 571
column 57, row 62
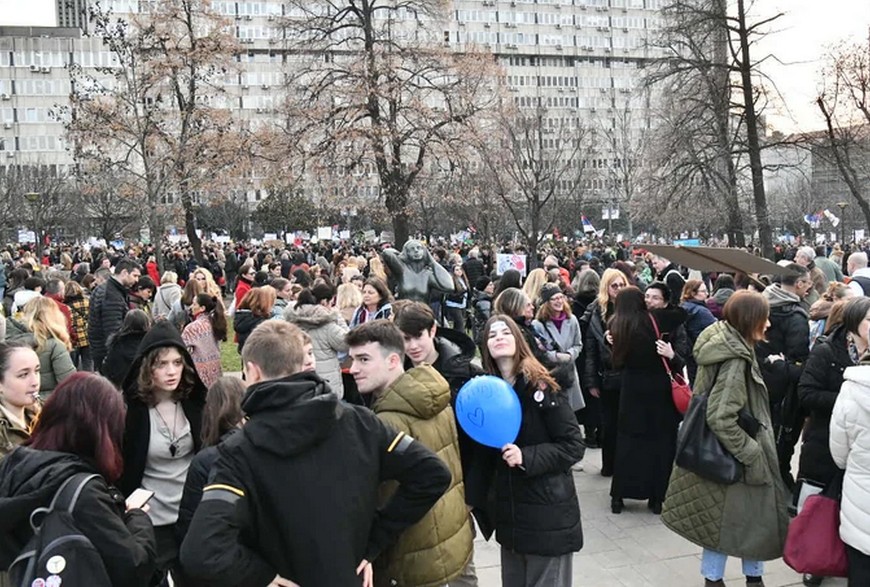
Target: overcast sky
column 799, row 40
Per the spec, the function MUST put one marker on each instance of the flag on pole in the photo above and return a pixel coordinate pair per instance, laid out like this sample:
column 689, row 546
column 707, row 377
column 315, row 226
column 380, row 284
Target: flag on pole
column 813, row 219
column 587, row 224
column 830, row 216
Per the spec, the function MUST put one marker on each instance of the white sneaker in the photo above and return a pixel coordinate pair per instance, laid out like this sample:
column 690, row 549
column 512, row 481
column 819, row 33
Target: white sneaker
column 578, row 466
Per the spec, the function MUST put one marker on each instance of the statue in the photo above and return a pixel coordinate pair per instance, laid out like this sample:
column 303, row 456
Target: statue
column 416, row 273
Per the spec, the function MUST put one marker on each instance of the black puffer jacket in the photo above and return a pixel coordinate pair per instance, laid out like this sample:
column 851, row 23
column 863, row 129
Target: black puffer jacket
column 109, row 305
column 536, row 510
column 29, row 479
column 818, row 388
column 137, row 433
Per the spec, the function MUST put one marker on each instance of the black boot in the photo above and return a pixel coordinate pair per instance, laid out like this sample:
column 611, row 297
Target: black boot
column 655, row 506
column 616, row 505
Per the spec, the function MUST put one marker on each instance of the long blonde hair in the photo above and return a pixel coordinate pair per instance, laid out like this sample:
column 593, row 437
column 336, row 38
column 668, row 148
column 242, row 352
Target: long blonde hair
column 348, row 296
column 608, row 277
column 532, row 287
column 43, row 318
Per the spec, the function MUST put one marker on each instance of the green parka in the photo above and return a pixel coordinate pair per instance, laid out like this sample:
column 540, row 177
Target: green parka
column 436, row 549
column 749, row 518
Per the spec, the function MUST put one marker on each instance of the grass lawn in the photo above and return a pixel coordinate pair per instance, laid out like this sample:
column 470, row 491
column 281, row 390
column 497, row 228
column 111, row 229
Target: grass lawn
column 230, row 359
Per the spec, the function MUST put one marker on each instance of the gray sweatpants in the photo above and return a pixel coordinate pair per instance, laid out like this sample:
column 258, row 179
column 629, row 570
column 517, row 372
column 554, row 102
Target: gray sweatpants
column 530, row 570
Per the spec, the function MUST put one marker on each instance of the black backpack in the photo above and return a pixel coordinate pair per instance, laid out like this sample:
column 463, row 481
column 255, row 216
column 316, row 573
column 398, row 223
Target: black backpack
column 58, row 552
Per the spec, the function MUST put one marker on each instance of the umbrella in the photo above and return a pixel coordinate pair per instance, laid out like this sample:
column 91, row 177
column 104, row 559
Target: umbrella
column 716, row 259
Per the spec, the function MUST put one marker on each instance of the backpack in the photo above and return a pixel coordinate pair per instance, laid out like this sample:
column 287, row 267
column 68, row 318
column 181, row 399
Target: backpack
column 58, row 552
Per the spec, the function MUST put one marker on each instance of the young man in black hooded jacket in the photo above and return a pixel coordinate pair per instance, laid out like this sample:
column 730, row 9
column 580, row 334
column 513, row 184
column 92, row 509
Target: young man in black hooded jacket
column 293, row 496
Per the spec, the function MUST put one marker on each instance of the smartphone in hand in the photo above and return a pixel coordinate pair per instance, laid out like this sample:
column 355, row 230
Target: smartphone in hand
column 139, row 498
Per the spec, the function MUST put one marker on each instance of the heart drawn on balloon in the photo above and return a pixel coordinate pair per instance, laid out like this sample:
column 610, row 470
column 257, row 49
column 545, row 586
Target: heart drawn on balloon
column 476, row 417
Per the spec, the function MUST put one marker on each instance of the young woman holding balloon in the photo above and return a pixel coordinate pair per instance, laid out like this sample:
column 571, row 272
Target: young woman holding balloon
column 536, row 515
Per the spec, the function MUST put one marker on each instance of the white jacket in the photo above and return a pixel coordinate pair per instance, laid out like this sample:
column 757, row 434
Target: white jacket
column 850, row 447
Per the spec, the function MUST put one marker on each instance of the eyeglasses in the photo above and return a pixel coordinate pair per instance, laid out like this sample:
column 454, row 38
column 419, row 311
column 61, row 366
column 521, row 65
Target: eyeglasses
column 617, row 285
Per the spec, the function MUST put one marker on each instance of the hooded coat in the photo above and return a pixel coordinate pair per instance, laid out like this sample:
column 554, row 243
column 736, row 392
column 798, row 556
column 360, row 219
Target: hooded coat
column 436, row 549
column 137, row 433
column 295, row 492
column 850, row 449
column 109, row 305
column 326, row 328
column 748, row 519
column 29, row 479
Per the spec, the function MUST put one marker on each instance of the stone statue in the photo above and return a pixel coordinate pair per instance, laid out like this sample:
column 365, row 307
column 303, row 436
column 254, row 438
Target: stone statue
column 416, row 273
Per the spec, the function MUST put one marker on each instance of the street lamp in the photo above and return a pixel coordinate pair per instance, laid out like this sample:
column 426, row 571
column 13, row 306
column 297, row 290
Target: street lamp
column 842, row 206
column 33, row 198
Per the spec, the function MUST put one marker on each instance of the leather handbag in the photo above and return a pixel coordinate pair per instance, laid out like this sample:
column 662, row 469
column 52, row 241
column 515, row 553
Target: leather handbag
column 813, row 544
column 681, row 393
column 699, row 449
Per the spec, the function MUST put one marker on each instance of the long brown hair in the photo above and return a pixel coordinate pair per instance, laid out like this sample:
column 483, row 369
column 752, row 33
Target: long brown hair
column 223, row 409
column 524, row 361
column 630, row 324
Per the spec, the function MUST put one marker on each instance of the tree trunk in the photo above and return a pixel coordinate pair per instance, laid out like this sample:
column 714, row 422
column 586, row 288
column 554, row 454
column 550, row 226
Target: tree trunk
column 762, row 215
column 190, row 229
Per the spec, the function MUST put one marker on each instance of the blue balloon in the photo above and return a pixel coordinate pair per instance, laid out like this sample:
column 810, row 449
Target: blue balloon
column 489, row 411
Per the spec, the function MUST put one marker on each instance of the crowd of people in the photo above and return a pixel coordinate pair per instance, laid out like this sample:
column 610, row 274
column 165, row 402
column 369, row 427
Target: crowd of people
column 337, row 459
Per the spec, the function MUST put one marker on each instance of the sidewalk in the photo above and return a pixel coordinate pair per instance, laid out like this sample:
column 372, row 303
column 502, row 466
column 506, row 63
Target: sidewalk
column 632, row 549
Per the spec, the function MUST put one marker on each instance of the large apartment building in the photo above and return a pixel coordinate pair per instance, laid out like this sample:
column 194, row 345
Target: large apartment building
column 579, row 59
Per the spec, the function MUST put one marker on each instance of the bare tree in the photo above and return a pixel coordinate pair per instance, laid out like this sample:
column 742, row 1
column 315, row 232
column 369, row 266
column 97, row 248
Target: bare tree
column 535, row 164
column 38, row 197
column 372, row 84
column 710, row 81
column 845, row 105
column 157, row 115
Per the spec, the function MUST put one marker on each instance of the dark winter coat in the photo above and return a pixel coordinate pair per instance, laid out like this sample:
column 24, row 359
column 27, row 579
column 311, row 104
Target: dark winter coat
column 121, row 353
column 598, row 370
column 197, row 478
column 818, row 389
column 244, row 323
column 474, row 269
column 698, row 317
column 109, row 305
column 647, row 419
column 536, row 510
column 137, row 433
column 29, row 479
column 749, row 518
column 296, row 492
column 674, row 279
column 789, row 334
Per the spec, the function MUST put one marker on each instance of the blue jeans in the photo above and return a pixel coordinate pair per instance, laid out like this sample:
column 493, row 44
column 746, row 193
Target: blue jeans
column 713, row 566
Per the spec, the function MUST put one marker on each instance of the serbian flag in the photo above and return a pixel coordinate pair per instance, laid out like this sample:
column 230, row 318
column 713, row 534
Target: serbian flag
column 587, row 224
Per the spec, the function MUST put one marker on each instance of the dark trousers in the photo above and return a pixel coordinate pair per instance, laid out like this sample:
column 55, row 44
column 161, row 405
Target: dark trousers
column 167, row 555
column 859, row 567
column 81, row 358
column 456, row 317
column 609, row 418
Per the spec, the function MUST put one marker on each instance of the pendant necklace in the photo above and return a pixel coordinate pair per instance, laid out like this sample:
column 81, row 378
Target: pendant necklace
column 170, row 433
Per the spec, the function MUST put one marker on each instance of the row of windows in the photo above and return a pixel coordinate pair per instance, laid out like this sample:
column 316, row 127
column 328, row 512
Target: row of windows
column 57, row 58
column 35, row 87
column 555, row 18
column 534, row 39
column 26, row 115
column 29, row 144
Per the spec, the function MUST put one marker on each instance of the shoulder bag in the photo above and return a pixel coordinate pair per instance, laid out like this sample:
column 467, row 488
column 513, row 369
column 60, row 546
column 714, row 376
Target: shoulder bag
column 813, row 544
column 699, row 449
column 681, row 393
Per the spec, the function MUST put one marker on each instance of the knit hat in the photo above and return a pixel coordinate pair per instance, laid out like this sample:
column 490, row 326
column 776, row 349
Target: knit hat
column 482, row 282
column 548, row 290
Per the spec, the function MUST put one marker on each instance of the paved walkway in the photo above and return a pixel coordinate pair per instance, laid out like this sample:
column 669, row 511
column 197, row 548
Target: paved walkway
column 632, row 549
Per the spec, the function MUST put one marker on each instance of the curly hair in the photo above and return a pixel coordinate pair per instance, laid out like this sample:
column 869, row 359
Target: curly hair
column 146, row 376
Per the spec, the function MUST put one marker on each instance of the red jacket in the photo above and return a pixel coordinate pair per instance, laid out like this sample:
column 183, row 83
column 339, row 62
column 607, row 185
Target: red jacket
column 153, row 272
